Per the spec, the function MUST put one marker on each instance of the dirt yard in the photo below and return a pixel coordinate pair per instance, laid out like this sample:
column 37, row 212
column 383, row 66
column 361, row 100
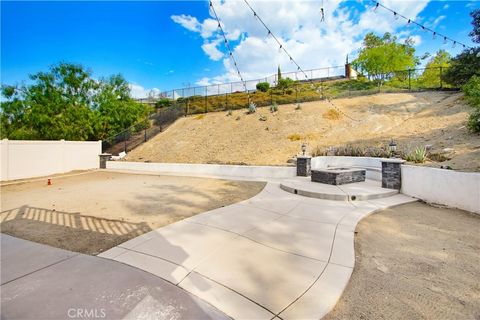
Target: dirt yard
column 414, row 262
column 94, row 211
column 413, row 119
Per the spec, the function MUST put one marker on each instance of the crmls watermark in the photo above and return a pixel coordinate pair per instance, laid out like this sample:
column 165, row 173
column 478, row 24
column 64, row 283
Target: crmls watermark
column 86, row 313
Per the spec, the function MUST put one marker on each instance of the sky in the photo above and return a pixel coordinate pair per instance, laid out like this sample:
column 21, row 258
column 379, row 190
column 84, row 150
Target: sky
column 164, row 45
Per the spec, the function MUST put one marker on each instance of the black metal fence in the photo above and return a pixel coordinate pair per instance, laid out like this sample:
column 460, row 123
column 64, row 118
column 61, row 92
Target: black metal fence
column 331, row 82
column 142, row 131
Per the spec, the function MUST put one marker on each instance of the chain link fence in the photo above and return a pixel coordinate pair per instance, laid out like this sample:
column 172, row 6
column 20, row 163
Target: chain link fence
column 329, row 82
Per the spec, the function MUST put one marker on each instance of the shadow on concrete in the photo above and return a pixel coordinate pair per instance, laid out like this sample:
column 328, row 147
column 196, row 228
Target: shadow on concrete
column 68, row 230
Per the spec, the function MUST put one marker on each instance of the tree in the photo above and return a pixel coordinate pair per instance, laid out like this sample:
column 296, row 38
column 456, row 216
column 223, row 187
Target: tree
column 66, row 103
column 379, row 56
column 463, row 67
column 466, row 64
column 475, row 33
column 279, row 74
column 434, row 68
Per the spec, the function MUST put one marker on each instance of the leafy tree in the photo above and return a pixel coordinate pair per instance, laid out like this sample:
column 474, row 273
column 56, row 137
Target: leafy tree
column 430, row 77
column 475, row 33
column 463, row 67
column 382, row 55
column 263, row 86
column 466, row 64
column 66, row 103
column 115, row 109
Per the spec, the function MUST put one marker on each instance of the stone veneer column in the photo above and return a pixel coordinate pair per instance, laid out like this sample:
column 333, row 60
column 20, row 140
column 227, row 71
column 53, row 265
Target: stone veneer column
column 304, row 166
column 391, row 173
column 104, row 157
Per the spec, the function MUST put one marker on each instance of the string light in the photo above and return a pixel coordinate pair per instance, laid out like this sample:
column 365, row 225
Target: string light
column 281, row 47
column 396, row 15
column 227, row 45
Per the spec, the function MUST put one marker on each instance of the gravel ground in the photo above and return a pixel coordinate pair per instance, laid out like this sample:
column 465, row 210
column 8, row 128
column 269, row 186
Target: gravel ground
column 94, row 211
column 414, row 261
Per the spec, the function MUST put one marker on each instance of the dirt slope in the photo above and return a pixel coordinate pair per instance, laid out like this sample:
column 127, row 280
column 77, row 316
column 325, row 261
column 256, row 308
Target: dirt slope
column 427, row 118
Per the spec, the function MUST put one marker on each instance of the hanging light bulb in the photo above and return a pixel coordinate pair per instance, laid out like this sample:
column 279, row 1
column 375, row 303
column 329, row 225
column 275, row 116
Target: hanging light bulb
column 408, row 22
column 454, row 44
column 280, row 49
column 376, row 7
column 434, row 36
column 395, row 15
column 444, row 40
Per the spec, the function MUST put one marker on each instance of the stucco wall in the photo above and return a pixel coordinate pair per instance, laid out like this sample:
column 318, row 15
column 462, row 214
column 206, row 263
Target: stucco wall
column 26, row 159
column 213, row 170
column 446, row 187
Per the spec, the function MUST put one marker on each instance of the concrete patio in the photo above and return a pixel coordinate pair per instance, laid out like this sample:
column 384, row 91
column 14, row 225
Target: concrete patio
column 277, row 254
column 42, row 282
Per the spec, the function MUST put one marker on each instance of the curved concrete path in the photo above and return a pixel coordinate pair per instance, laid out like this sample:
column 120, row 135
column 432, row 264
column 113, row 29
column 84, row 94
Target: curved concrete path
column 276, row 255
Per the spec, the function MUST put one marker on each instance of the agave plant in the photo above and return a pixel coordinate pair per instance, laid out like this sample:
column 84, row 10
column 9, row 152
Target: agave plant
column 252, row 107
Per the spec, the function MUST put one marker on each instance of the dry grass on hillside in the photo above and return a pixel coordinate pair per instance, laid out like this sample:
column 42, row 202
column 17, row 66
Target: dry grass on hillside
column 413, row 119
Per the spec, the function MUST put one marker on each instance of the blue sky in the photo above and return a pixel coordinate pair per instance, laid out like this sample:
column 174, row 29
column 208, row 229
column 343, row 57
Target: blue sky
column 166, row 44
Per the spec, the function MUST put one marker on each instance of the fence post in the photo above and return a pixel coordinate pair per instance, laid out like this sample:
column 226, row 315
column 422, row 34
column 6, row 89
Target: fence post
column 206, row 99
column 441, row 80
column 186, row 105
column 409, row 80
column 271, row 96
column 145, row 135
column 125, row 140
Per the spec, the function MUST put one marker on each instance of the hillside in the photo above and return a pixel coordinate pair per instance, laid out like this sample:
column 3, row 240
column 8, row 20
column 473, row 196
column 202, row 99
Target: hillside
column 413, row 119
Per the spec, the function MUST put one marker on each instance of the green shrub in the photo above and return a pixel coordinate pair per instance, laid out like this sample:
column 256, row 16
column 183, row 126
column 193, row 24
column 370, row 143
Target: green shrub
column 163, row 102
column 284, row 84
column 263, row 86
column 472, row 91
column 474, row 121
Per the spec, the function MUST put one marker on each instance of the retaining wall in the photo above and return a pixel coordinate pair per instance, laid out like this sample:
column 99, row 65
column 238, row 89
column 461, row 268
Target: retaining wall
column 215, row 170
column 22, row 159
column 446, row 187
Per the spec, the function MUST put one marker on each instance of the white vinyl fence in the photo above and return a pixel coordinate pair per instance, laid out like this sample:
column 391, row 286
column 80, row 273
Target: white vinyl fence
column 20, row 159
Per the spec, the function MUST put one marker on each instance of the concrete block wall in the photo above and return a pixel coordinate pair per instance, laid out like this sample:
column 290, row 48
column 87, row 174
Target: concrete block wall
column 21, row 159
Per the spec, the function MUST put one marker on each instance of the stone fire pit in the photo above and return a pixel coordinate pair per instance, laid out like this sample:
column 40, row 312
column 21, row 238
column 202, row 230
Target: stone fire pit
column 338, row 176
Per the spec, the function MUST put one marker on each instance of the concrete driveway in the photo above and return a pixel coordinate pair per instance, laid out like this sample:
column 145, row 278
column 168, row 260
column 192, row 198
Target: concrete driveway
column 275, row 255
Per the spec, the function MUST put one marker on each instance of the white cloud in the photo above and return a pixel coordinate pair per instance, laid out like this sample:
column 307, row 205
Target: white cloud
column 298, row 26
column 446, row 6
column 137, row 91
column 210, row 48
column 188, row 22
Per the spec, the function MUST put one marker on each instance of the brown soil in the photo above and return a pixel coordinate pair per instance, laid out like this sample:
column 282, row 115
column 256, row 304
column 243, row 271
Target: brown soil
column 413, row 119
column 414, row 262
column 92, row 212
